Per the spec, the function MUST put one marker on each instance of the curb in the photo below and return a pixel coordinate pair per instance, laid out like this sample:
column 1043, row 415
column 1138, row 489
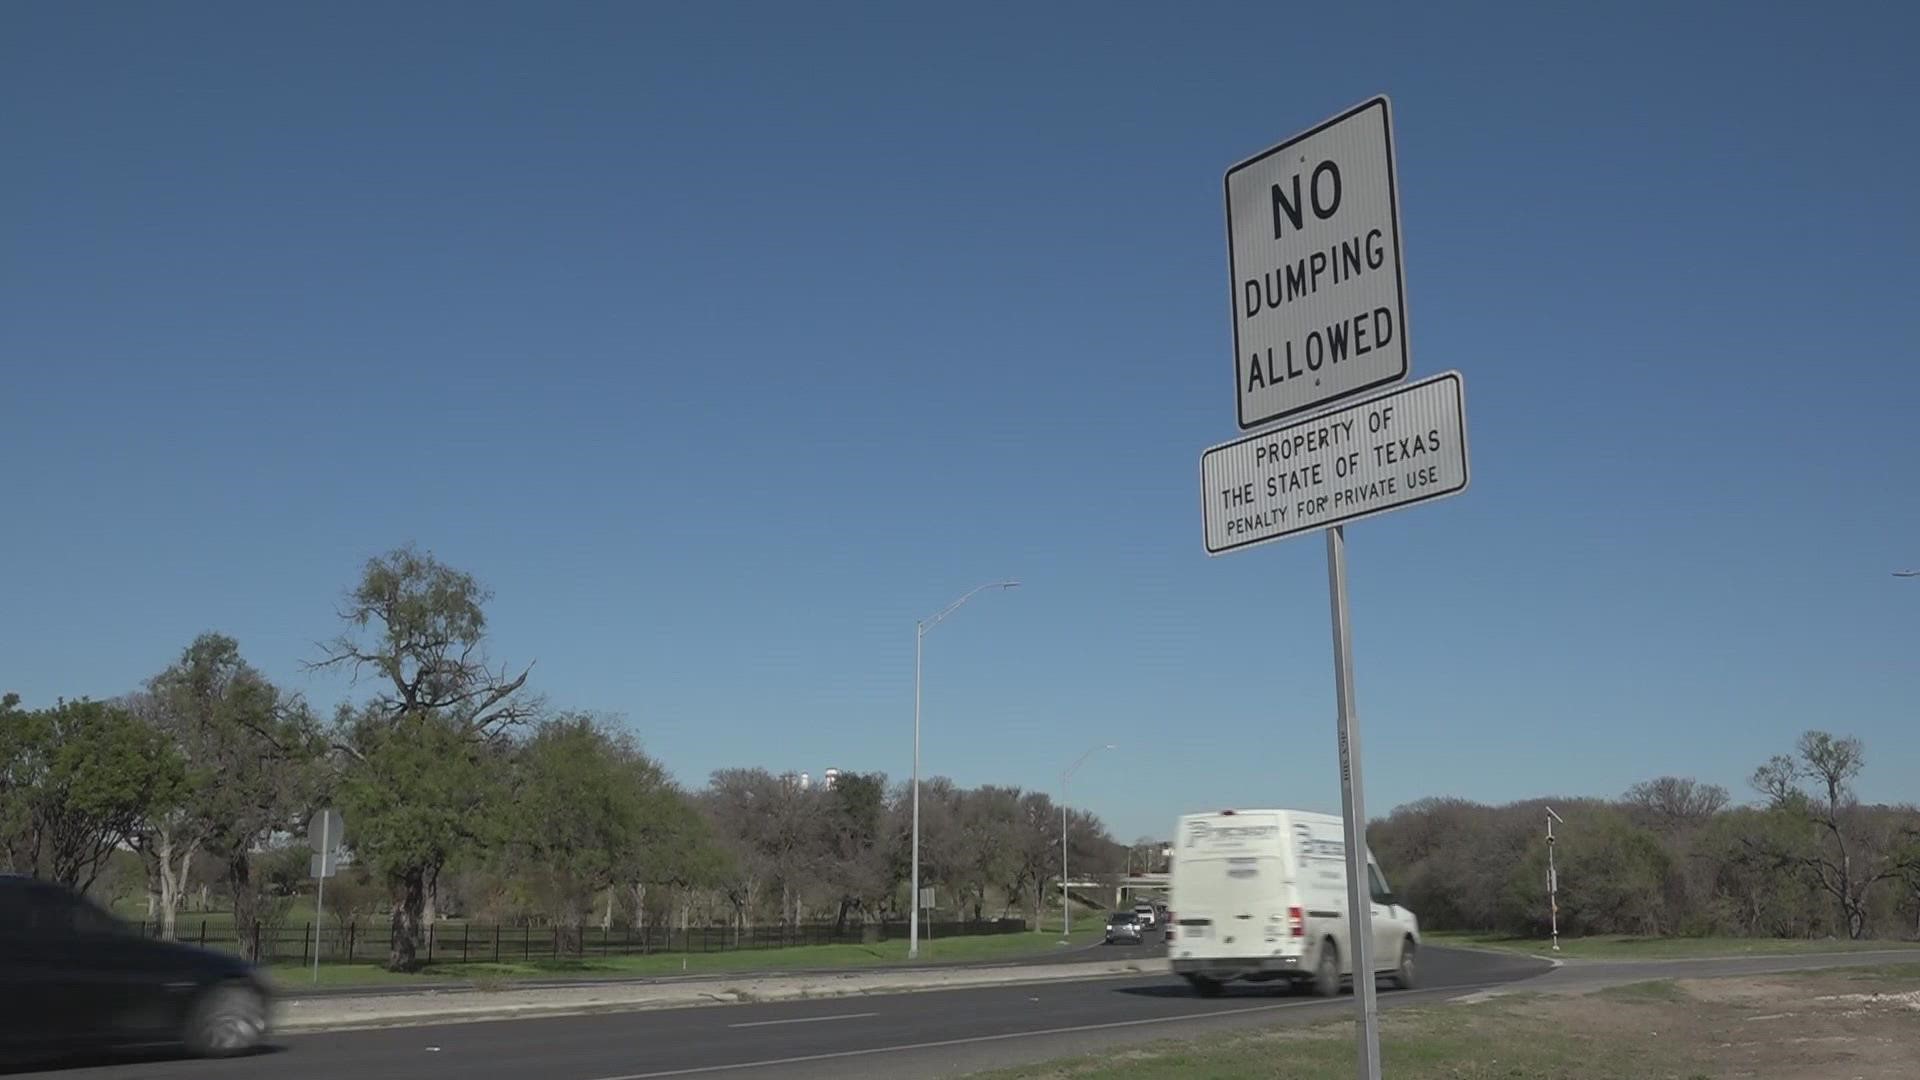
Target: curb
column 536, row 1010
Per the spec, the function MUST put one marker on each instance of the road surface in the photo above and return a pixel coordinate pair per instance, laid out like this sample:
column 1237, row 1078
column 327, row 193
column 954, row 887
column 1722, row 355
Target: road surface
column 925, row 1034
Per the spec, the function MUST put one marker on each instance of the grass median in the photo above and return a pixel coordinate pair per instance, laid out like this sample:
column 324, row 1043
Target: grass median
column 1854, row 1024
column 487, row 975
column 1623, row 947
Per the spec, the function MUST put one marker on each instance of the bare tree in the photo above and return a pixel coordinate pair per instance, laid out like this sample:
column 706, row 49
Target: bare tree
column 427, row 624
column 1676, row 803
column 1845, row 863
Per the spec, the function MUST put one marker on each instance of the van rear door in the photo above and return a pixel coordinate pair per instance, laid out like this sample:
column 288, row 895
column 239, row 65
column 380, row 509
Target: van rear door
column 1229, row 881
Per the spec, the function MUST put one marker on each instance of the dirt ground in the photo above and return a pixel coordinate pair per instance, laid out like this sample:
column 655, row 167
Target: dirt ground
column 1834, row 1025
column 1859, row 1024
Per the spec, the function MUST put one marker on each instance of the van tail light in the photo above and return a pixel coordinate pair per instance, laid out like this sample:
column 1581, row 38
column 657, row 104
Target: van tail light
column 1296, row 922
column 1169, row 924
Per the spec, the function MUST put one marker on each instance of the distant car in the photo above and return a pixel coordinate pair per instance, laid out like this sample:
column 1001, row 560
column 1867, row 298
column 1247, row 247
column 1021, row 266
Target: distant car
column 1123, row 927
column 1149, row 918
column 76, row 978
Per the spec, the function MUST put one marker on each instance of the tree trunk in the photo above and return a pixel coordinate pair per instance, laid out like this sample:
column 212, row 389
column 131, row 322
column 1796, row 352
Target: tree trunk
column 430, row 913
column 409, row 904
column 170, row 887
column 606, row 921
column 153, row 884
column 1856, row 919
column 246, row 905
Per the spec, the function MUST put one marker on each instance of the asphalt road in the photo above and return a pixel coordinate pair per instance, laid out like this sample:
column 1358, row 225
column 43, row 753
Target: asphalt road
column 925, row 1034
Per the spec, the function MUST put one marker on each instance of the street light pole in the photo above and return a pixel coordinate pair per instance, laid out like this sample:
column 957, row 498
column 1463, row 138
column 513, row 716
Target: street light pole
column 1066, row 926
column 919, row 638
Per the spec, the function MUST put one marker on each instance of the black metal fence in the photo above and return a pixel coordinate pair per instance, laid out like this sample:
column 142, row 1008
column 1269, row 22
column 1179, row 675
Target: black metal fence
column 454, row 943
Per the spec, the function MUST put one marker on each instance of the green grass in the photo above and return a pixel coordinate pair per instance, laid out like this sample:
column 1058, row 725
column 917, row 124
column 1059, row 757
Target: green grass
column 1864, row 973
column 491, row 975
column 1622, row 947
column 1491, row 1041
column 1656, row 991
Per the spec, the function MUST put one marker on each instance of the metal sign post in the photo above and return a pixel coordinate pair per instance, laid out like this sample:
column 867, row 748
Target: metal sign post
column 324, row 833
column 1319, row 319
column 1353, row 811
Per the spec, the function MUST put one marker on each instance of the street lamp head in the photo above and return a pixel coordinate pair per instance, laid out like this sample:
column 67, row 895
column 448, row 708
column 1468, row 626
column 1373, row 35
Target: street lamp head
column 1009, row 584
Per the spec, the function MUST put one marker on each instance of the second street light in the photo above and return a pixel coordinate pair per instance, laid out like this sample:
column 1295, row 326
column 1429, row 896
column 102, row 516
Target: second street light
column 919, row 637
column 1066, row 902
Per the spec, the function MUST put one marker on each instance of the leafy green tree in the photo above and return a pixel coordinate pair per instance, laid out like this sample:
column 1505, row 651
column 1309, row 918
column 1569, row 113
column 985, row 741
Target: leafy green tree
column 858, row 859
column 418, row 790
column 16, row 738
column 580, row 814
column 77, row 779
column 678, row 851
column 425, row 755
column 253, row 764
column 1613, row 876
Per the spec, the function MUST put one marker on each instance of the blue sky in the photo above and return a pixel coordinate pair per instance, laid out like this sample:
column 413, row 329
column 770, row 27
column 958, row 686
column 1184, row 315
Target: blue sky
column 726, row 340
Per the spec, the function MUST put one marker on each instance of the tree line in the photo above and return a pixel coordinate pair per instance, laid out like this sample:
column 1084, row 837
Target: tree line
column 1806, row 859
column 463, row 791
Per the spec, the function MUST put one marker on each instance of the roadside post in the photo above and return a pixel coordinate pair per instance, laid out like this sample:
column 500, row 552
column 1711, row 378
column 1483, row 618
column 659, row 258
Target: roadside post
column 326, row 831
column 1319, row 318
column 1553, row 880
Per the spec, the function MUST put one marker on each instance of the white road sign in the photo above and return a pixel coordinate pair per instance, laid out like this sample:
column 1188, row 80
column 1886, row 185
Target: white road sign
column 1313, row 245
column 324, row 864
column 1394, row 450
column 326, row 830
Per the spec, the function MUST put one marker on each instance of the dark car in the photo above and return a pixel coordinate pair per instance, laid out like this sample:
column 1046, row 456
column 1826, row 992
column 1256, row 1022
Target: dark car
column 76, row 978
column 1123, row 926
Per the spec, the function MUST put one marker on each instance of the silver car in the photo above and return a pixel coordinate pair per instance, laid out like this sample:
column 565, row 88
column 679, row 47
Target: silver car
column 1123, row 927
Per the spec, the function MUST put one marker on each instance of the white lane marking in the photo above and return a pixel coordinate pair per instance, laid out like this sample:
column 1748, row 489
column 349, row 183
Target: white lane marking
column 804, row 1020
column 935, row 1045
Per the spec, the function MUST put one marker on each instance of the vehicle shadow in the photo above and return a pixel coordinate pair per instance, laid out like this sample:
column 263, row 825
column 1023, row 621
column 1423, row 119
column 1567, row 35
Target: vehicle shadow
column 104, row 1059
column 1230, row 990
column 1244, row 990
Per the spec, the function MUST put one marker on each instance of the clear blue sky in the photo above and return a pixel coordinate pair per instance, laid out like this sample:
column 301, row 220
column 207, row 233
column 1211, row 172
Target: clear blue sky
column 725, row 340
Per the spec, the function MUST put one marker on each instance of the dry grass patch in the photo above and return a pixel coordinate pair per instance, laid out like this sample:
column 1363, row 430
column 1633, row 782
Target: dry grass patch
column 1836, row 1025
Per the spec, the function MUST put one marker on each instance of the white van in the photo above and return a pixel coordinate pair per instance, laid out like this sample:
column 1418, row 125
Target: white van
column 1262, row 895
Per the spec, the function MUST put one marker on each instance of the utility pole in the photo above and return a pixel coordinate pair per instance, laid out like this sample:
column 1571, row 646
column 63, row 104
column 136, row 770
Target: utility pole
column 919, row 646
column 1066, row 895
column 1553, row 879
